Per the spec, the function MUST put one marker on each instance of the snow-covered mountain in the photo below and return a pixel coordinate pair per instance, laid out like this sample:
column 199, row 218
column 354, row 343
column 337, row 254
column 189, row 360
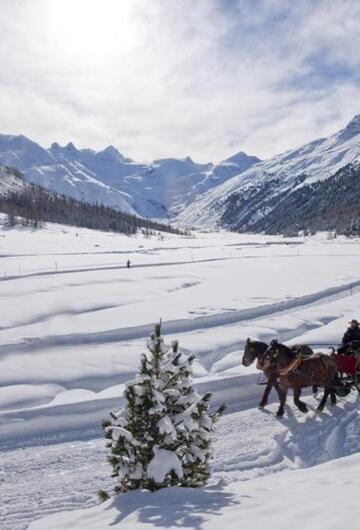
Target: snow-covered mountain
column 246, row 201
column 161, row 189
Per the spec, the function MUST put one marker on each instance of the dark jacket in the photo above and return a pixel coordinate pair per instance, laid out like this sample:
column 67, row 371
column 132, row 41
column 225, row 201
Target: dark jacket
column 350, row 335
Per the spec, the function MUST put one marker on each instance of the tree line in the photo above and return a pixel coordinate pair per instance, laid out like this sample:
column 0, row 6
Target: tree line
column 34, row 205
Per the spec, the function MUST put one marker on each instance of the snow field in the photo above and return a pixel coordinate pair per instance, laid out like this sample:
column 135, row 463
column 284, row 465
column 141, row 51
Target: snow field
column 70, row 338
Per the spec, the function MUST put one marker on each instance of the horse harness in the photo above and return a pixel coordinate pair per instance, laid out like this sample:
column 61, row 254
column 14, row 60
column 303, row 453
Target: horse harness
column 292, row 367
column 295, row 366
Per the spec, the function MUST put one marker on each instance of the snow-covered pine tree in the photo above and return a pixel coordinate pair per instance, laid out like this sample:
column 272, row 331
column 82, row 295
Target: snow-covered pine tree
column 163, row 436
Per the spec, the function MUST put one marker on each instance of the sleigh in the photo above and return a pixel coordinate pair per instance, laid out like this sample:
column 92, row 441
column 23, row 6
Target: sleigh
column 348, row 374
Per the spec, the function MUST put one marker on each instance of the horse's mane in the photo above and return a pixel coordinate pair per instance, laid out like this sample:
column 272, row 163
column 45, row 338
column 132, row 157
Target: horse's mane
column 289, row 352
column 258, row 342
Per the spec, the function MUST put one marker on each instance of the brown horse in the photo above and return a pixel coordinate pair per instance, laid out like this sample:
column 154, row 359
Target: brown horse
column 255, row 350
column 297, row 373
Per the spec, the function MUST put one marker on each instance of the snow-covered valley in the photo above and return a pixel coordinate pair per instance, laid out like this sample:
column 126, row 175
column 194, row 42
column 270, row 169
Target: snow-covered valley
column 73, row 324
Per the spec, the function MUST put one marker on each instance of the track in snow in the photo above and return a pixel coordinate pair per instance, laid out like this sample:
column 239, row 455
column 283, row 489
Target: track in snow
column 40, row 480
column 184, row 325
column 6, row 278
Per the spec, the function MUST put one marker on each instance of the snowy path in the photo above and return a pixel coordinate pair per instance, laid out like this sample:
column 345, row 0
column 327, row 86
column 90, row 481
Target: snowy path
column 7, row 278
column 251, row 444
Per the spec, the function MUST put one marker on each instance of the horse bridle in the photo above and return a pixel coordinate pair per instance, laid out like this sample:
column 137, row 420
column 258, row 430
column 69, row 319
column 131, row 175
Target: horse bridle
column 262, row 357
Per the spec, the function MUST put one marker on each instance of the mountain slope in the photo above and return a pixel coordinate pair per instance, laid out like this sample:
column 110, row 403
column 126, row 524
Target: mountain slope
column 330, row 204
column 246, row 201
column 161, row 189
column 32, row 205
column 61, row 170
column 10, row 181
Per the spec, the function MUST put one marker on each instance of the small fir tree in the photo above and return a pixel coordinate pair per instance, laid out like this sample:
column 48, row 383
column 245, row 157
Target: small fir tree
column 163, row 436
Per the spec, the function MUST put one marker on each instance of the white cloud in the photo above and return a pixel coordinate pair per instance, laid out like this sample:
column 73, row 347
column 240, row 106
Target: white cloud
column 191, row 77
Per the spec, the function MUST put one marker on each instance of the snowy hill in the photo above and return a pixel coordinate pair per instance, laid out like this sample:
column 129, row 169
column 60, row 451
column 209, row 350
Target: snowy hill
column 245, row 201
column 160, row 189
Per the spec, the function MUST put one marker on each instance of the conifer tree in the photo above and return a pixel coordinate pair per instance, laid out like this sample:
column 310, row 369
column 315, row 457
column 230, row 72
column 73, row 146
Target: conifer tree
column 163, row 436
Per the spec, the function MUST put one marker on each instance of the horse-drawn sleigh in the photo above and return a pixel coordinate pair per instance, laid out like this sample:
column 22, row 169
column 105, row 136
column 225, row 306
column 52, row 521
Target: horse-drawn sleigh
column 298, row 367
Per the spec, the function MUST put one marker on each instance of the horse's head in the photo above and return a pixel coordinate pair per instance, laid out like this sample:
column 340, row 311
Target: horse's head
column 254, row 349
column 249, row 352
column 276, row 356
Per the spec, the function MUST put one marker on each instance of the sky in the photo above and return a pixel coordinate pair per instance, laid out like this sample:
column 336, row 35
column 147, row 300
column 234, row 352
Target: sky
column 176, row 78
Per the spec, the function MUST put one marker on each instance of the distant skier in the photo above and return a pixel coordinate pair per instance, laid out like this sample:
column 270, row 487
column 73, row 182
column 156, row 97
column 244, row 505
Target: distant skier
column 128, row 264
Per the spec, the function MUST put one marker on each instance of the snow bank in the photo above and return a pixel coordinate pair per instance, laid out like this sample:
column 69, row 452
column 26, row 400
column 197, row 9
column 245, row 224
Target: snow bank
column 321, row 498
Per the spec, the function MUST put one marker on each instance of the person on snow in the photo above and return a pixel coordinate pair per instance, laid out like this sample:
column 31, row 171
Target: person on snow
column 128, row 264
column 352, row 333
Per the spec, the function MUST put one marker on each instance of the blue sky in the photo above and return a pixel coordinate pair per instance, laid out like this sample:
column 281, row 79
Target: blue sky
column 160, row 78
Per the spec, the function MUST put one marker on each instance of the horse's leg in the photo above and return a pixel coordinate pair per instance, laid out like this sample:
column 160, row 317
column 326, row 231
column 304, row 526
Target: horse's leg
column 333, row 396
column 283, row 394
column 322, row 403
column 272, row 381
column 315, row 390
column 333, row 381
column 264, row 399
column 300, row 404
column 277, row 388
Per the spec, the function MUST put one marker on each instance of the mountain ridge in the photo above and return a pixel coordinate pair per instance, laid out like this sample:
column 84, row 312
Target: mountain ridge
column 160, row 189
column 243, row 200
